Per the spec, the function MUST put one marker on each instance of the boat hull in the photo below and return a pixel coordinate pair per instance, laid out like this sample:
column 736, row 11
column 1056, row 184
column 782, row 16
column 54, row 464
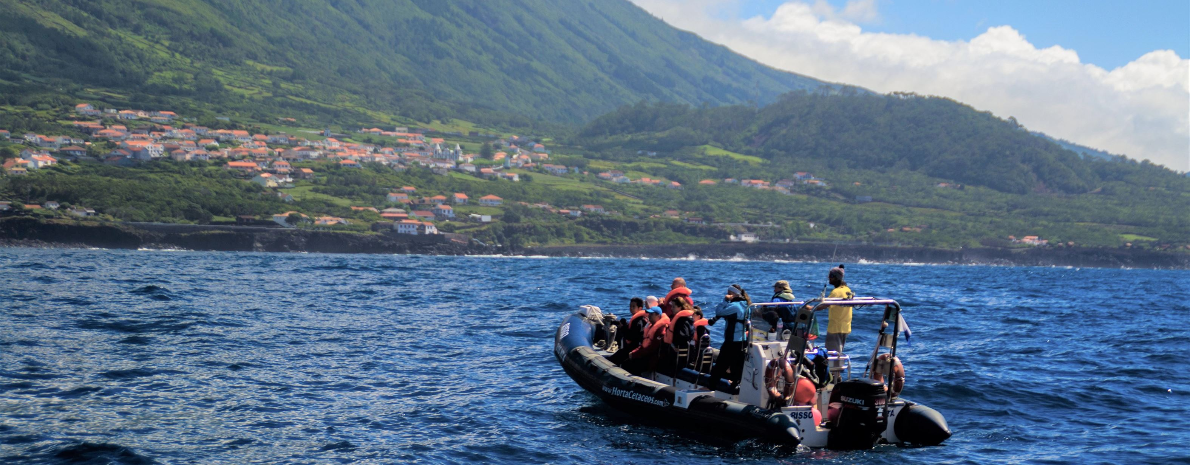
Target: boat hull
column 657, row 401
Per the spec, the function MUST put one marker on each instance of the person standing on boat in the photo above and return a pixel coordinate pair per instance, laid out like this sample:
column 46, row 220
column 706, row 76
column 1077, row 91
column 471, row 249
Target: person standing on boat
column 839, row 325
column 635, row 331
column 731, row 354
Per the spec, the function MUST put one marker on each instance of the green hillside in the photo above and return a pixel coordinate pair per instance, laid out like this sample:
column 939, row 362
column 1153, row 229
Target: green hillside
column 895, row 133
column 651, row 125
column 563, row 60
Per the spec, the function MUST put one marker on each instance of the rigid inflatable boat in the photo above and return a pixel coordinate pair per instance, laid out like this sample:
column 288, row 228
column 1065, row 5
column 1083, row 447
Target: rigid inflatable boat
column 847, row 413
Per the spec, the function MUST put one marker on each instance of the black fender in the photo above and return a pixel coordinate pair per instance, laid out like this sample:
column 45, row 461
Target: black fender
column 920, row 425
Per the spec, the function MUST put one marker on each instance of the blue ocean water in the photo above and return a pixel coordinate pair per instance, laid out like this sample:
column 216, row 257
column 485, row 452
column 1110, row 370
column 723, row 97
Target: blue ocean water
column 195, row 357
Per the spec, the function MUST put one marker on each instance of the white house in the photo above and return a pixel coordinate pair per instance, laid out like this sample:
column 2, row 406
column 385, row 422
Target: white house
column 41, row 161
column 329, row 221
column 283, row 218
column 744, row 237
column 407, row 227
column 490, row 201
column 444, row 211
column 265, row 180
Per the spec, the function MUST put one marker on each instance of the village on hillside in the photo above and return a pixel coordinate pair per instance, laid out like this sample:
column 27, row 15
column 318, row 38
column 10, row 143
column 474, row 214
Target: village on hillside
column 130, row 137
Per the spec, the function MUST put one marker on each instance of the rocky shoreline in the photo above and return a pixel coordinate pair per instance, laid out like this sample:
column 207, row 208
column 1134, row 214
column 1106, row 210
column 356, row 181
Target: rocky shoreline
column 29, row 232
column 831, row 252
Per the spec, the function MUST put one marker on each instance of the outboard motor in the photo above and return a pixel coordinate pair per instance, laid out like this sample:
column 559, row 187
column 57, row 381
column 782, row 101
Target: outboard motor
column 861, row 417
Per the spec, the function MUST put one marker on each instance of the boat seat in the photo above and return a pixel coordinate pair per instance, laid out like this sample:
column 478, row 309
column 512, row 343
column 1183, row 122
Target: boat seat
column 704, row 356
column 704, row 379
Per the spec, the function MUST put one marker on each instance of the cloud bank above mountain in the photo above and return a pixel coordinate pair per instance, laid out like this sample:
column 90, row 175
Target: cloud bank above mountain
column 1141, row 109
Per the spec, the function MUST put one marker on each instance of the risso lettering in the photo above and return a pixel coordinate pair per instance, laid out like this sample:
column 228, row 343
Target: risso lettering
column 801, row 415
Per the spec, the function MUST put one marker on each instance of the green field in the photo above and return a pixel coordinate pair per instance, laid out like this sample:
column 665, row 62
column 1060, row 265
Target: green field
column 557, row 182
column 478, row 210
column 568, row 184
column 304, row 192
column 696, row 166
column 713, row 151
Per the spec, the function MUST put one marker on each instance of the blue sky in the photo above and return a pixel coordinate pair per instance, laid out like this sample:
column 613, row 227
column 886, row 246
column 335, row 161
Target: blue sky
column 1108, row 34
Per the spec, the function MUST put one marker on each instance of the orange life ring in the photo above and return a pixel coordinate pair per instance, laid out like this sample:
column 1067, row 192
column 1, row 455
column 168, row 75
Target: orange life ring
column 776, row 369
column 898, row 381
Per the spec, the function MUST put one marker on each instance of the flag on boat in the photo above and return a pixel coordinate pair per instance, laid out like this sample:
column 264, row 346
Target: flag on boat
column 903, row 326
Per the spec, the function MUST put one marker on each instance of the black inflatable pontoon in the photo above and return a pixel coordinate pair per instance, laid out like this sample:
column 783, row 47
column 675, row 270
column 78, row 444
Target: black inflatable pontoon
column 861, row 412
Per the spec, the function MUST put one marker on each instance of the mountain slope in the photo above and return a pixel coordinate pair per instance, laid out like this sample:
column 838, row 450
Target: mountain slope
column 1082, row 150
column 934, row 136
column 561, row 60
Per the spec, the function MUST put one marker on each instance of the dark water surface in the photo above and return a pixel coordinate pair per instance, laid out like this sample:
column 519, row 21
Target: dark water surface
column 181, row 357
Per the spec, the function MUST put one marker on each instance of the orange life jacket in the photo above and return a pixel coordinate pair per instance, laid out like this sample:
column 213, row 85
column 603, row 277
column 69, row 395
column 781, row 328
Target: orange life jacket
column 805, row 393
column 669, row 335
column 651, row 336
column 700, row 328
column 649, row 347
column 632, row 321
column 682, row 292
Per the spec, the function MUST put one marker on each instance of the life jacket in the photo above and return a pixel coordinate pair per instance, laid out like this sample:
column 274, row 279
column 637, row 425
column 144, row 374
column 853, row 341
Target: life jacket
column 700, row 328
column 632, row 336
column 682, row 322
column 806, row 392
column 662, row 326
column 650, row 345
column 681, row 292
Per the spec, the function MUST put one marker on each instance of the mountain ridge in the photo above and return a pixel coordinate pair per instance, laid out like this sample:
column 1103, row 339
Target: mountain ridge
column 567, row 62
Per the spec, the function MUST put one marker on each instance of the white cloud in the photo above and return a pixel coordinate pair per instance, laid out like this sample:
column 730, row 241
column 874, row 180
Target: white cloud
column 860, row 11
column 1141, row 109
